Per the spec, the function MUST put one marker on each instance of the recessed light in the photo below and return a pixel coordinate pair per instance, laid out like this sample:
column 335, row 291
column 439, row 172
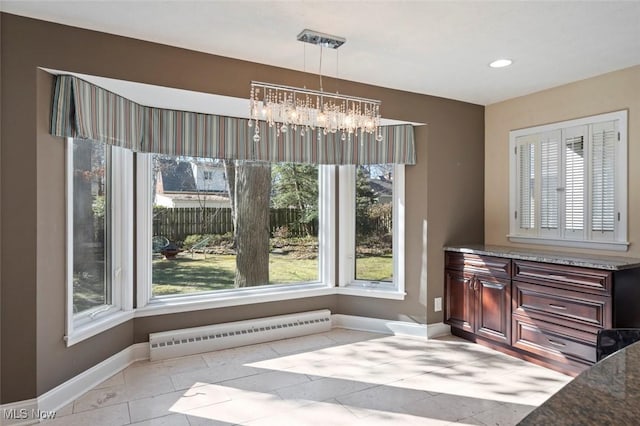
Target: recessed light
column 499, row 63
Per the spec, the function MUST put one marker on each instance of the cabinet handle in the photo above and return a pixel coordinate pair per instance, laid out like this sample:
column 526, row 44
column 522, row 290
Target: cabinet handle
column 559, row 307
column 475, row 285
column 543, row 276
column 559, row 344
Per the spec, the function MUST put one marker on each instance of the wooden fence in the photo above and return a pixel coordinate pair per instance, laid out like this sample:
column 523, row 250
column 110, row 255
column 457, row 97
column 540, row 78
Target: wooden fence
column 176, row 223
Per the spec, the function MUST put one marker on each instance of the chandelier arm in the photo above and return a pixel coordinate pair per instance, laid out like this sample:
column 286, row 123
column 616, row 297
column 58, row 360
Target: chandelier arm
column 313, row 92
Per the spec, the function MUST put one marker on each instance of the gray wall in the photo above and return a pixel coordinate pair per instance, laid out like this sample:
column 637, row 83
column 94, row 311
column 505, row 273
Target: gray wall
column 444, row 193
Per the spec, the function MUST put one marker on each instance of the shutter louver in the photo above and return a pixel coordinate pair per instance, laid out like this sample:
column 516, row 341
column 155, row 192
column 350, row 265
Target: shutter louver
column 526, row 181
column 603, row 151
column 549, row 171
column 574, row 183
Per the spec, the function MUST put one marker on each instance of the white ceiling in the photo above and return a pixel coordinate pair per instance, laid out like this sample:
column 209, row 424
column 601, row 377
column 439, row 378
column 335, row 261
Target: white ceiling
column 439, row 48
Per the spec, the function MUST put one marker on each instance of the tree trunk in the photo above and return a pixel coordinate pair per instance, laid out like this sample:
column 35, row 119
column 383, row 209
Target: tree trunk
column 251, row 203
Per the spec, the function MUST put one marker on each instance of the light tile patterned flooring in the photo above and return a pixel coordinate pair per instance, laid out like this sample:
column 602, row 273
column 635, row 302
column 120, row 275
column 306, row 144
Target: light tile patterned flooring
column 341, row 377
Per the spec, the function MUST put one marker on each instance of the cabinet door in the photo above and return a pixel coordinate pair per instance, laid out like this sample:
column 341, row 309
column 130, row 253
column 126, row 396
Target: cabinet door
column 493, row 312
column 459, row 301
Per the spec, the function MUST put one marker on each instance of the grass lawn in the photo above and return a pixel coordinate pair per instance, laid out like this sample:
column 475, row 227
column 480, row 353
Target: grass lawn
column 185, row 274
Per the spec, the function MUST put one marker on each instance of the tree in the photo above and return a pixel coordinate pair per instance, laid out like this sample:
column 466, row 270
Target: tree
column 365, row 198
column 249, row 193
column 296, row 185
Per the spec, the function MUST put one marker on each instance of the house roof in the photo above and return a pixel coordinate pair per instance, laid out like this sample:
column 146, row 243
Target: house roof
column 177, row 176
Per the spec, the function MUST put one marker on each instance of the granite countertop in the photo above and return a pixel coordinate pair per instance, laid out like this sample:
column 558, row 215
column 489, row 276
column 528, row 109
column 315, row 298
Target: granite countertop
column 606, row 394
column 612, row 263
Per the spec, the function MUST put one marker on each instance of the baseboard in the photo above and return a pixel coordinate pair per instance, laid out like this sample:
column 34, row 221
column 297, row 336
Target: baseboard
column 438, row 329
column 400, row 328
column 19, row 413
column 72, row 389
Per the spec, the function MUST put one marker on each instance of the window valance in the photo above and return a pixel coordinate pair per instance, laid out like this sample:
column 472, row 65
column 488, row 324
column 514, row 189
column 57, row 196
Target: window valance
column 84, row 110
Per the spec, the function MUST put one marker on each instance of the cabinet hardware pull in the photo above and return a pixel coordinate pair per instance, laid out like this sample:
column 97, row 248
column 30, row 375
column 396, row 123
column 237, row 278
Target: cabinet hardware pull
column 552, row 276
column 559, row 344
column 557, row 277
column 560, row 307
column 475, row 285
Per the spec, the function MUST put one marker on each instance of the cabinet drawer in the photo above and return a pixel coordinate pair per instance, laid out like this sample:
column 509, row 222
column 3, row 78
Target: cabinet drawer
column 473, row 263
column 552, row 341
column 569, row 277
column 586, row 311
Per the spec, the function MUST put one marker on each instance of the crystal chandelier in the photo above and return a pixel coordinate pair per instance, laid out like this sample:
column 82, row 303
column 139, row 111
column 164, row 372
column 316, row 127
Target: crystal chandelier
column 303, row 110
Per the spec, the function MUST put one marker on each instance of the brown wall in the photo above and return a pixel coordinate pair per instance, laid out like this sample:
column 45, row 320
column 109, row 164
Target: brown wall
column 443, row 190
column 606, row 93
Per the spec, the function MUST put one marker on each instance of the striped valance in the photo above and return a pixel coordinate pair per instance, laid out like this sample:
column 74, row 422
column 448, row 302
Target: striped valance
column 83, row 110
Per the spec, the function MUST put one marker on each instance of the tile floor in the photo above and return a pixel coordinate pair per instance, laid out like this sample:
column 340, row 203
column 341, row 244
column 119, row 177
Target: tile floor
column 341, row 377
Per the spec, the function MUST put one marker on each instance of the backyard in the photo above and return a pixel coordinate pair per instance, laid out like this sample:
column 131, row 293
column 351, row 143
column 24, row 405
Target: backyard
column 191, row 272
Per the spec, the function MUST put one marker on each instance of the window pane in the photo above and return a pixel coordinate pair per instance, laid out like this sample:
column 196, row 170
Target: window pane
column 222, row 225
column 574, row 183
column 91, row 225
column 374, row 233
column 603, row 177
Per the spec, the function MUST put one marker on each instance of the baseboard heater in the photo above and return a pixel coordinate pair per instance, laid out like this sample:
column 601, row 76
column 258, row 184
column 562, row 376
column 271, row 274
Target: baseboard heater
column 190, row 341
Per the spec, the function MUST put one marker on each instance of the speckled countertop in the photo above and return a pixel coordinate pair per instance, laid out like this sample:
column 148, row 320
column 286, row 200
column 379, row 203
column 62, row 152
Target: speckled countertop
column 612, row 263
column 606, row 394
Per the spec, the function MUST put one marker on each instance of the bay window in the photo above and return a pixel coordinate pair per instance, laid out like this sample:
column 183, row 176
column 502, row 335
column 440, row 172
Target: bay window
column 99, row 228
column 371, row 241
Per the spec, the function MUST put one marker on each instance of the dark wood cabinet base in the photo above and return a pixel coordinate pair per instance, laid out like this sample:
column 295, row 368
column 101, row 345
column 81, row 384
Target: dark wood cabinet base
column 544, row 312
column 569, row 367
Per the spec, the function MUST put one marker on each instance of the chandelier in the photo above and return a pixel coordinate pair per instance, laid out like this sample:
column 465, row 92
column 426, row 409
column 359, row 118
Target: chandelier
column 302, row 110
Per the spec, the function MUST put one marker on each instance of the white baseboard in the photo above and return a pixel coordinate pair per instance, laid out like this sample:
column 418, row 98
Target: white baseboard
column 399, row 328
column 438, row 329
column 72, row 389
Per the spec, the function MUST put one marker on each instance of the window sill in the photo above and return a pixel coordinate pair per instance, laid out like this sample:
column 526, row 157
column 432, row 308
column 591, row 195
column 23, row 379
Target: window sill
column 97, row 326
column 599, row 245
column 371, row 289
column 186, row 303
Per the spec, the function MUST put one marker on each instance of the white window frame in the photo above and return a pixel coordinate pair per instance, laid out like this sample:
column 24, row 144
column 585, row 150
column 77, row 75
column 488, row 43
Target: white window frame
column 85, row 324
column 147, row 305
column 572, row 239
column 348, row 284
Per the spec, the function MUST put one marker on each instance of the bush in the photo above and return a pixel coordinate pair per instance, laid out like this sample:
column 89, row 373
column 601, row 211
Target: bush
column 213, row 240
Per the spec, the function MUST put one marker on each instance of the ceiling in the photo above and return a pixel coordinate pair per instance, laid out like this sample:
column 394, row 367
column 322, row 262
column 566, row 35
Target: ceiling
column 440, row 48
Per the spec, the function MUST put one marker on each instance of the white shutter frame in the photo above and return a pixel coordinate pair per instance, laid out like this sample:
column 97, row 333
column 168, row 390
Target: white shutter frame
column 585, row 238
column 574, row 177
column 516, row 181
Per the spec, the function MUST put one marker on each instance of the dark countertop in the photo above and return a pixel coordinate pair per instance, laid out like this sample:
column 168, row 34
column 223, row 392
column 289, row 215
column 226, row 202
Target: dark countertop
column 606, row 394
column 612, row 263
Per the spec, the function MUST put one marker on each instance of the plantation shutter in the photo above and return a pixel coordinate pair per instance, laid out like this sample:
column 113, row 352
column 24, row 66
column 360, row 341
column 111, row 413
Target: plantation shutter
column 603, row 153
column 525, row 171
column 574, row 162
column 549, row 180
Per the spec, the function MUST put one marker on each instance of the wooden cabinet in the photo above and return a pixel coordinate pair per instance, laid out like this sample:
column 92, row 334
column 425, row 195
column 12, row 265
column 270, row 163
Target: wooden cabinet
column 478, row 296
column 544, row 312
column 558, row 310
